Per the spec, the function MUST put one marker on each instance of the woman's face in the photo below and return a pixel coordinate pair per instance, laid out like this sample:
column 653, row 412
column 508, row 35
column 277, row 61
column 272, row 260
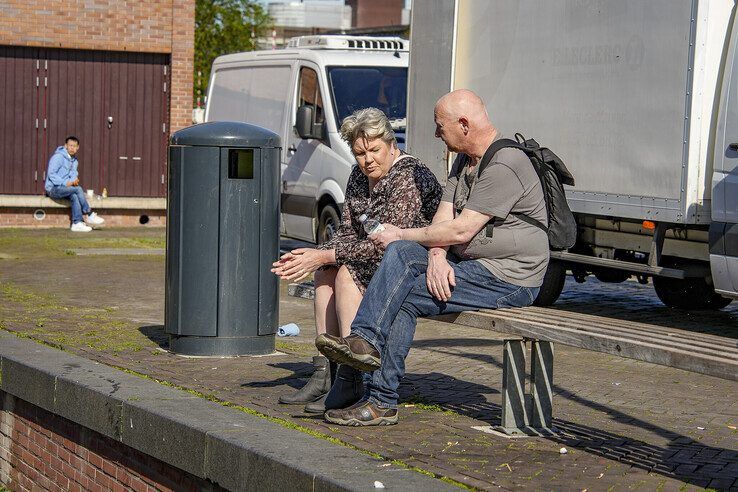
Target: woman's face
column 374, row 156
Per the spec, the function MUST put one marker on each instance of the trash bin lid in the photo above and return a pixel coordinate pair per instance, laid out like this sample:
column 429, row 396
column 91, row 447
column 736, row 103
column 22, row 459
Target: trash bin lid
column 226, row 134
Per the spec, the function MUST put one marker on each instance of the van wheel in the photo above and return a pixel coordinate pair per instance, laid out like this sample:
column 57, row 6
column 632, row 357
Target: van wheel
column 553, row 284
column 688, row 293
column 328, row 223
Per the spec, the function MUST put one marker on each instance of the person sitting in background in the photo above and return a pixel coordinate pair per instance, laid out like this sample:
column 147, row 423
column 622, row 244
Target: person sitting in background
column 387, row 185
column 62, row 181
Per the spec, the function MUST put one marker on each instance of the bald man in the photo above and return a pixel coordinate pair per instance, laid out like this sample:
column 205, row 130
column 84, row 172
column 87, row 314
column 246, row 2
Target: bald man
column 475, row 254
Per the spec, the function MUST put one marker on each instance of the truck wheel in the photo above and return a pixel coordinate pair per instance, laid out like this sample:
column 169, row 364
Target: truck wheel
column 328, row 223
column 688, row 293
column 719, row 302
column 553, row 284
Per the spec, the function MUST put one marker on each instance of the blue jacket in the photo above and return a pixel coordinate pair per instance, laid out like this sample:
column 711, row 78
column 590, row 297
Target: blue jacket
column 62, row 169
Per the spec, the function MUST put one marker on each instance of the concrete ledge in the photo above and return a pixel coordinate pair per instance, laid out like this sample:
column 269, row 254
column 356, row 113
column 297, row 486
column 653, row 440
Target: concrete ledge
column 233, row 449
column 110, row 203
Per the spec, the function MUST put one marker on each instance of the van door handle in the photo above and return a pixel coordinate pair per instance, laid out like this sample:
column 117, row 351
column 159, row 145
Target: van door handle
column 292, row 149
column 733, row 146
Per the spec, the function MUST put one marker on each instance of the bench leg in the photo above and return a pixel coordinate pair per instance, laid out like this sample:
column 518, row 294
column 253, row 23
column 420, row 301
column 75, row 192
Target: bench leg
column 541, row 370
column 526, row 414
column 514, row 411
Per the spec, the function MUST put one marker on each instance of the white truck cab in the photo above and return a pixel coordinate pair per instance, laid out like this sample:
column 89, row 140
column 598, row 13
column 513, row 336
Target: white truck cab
column 724, row 225
column 303, row 93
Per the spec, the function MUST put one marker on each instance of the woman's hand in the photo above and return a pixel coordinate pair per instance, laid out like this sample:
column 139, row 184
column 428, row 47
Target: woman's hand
column 299, row 263
column 440, row 277
column 390, row 234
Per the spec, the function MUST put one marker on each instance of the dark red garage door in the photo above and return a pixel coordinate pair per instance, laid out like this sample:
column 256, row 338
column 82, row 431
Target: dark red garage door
column 115, row 103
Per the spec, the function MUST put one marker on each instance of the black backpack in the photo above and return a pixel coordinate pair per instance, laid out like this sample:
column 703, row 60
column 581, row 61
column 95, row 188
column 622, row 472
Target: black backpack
column 562, row 228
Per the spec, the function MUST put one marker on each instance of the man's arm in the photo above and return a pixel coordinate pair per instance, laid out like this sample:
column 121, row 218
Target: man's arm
column 439, row 276
column 444, row 231
column 53, row 173
column 74, row 174
column 458, row 230
column 445, row 212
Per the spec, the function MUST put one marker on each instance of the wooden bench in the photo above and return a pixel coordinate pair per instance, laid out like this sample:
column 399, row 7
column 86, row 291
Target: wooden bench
column 530, row 412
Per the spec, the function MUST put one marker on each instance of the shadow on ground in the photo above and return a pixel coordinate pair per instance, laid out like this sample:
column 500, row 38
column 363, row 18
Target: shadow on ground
column 156, row 334
column 645, row 307
column 301, row 371
column 683, row 458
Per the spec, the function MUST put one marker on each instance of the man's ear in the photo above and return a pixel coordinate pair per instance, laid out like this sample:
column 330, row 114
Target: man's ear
column 464, row 122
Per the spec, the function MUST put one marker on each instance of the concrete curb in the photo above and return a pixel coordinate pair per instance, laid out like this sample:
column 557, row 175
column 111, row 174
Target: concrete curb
column 236, row 450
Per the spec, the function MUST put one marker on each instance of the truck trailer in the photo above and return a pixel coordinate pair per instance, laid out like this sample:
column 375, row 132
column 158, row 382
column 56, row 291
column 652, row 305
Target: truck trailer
column 638, row 98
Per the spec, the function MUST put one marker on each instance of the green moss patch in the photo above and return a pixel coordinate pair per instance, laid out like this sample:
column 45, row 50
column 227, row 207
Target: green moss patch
column 43, row 317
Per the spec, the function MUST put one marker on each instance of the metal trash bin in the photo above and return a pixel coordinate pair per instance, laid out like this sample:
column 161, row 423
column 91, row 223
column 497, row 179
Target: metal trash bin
column 222, row 237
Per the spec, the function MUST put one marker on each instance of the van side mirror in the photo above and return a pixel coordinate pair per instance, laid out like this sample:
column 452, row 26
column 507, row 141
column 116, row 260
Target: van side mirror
column 304, row 123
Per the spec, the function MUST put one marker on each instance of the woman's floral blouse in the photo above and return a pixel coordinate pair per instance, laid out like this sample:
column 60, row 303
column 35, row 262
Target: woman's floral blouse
column 407, row 196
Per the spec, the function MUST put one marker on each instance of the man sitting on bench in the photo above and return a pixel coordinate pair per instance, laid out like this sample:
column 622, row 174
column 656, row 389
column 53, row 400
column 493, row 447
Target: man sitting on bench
column 62, row 181
column 494, row 258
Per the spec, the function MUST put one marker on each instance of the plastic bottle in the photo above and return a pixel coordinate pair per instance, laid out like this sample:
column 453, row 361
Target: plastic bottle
column 105, row 193
column 371, row 226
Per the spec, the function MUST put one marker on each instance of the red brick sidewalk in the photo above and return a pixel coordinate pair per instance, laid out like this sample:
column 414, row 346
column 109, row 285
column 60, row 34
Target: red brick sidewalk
column 624, row 423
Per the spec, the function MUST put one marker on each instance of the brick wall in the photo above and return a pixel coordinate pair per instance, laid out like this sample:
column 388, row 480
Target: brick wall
column 42, row 451
column 159, row 26
column 183, row 53
column 60, row 217
column 375, row 13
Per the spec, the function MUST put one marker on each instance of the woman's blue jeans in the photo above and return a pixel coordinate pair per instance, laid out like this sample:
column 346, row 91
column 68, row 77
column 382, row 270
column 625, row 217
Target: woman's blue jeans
column 397, row 296
column 76, row 195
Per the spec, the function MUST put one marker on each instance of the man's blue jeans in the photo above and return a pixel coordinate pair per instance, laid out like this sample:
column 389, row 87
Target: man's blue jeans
column 76, row 195
column 397, row 296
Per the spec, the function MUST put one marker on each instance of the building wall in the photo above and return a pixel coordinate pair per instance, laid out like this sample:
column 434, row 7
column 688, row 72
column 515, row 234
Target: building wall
column 319, row 14
column 147, row 26
column 42, row 451
column 376, row 13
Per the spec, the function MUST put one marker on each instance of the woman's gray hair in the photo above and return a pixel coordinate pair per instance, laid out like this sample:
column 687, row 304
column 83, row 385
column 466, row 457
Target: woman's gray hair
column 369, row 123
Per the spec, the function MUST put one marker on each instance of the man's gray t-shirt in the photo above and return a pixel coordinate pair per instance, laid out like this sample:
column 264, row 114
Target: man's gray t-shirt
column 516, row 252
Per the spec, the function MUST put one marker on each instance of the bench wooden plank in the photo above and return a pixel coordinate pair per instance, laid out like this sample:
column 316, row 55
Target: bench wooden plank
column 615, row 322
column 712, row 365
column 636, row 337
column 719, row 346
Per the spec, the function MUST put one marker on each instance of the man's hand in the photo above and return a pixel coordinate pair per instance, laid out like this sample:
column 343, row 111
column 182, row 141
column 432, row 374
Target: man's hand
column 440, row 277
column 298, row 263
column 73, row 183
column 390, row 234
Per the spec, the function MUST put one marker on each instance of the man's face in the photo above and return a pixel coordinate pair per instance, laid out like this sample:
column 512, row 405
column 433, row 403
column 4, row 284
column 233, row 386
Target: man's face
column 72, row 147
column 448, row 129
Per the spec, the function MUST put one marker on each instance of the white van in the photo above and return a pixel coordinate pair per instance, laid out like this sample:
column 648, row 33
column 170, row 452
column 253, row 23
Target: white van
column 303, row 93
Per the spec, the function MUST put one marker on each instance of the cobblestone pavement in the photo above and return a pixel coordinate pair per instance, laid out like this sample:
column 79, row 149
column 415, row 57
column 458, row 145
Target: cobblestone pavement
column 625, row 424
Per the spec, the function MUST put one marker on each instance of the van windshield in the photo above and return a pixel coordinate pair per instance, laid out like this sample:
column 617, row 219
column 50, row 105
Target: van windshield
column 355, row 88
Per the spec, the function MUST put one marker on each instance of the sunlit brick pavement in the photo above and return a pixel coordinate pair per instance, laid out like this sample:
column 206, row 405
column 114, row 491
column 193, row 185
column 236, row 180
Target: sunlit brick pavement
column 625, row 424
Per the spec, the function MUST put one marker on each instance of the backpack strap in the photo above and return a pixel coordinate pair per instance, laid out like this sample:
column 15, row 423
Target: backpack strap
column 530, row 220
column 497, row 146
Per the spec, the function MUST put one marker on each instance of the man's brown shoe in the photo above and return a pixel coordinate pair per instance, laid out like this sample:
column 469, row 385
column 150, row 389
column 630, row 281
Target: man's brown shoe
column 353, row 351
column 363, row 413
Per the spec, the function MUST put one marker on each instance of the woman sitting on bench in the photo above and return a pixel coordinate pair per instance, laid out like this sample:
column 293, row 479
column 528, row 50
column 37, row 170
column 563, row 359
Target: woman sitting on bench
column 388, row 186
